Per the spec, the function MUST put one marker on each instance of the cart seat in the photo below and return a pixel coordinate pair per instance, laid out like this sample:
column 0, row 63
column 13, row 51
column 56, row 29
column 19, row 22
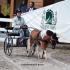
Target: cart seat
column 9, row 28
column 13, row 34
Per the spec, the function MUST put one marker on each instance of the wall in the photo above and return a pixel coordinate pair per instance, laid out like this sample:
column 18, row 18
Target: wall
column 0, row 2
column 41, row 3
column 38, row 3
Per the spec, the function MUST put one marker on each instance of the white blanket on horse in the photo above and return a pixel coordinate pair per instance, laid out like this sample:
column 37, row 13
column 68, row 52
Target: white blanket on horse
column 43, row 33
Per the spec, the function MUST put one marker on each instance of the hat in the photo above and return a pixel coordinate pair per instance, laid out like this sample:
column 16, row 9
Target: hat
column 18, row 11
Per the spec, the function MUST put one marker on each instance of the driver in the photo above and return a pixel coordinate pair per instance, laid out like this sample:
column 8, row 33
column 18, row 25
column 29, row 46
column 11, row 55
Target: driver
column 18, row 21
column 19, row 27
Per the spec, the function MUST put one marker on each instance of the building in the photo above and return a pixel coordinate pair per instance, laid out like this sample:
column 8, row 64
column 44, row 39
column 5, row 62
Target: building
column 14, row 3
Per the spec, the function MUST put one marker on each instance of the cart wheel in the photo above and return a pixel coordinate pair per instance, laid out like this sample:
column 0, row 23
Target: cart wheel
column 8, row 45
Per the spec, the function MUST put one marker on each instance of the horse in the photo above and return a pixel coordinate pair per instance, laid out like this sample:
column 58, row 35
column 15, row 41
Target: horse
column 42, row 42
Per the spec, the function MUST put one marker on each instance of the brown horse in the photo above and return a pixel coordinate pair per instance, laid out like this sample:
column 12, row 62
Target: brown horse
column 37, row 40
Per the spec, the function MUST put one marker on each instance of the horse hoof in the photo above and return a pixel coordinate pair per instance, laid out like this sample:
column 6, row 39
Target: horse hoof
column 27, row 51
column 53, row 47
column 28, row 55
column 40, row 57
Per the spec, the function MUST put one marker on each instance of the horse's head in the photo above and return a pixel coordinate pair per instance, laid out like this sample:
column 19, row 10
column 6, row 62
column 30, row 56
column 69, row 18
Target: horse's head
column 51, row 36
column 49, row 33
column 54, row 37
column 54, row 40
column 47, row 37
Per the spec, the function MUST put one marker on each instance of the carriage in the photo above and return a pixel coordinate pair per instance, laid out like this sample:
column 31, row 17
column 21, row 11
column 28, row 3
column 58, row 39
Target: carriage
column 20, row 41
column 26, row 38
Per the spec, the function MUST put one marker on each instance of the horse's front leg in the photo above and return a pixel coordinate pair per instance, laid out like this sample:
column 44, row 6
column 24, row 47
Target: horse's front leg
column 45, row 54
column 38, row 51
column 30, row 47
column 29, row 44
column 43, row 46
column 33, row 48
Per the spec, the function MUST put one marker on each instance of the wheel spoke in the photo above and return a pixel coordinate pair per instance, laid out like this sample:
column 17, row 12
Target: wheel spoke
column 8, row 43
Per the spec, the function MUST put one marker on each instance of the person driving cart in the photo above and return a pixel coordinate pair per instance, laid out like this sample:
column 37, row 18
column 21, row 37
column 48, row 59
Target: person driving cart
column 18, row 21
column 20, row 26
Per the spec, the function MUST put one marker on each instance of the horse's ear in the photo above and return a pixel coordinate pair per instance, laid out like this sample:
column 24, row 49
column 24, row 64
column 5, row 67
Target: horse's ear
column 48, row 32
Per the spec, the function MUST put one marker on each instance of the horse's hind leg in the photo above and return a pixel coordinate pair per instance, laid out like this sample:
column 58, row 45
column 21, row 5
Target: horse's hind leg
column 28, row 47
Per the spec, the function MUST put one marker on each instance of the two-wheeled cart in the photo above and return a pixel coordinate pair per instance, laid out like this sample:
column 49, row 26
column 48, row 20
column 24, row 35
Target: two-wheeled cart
column 20, row 42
